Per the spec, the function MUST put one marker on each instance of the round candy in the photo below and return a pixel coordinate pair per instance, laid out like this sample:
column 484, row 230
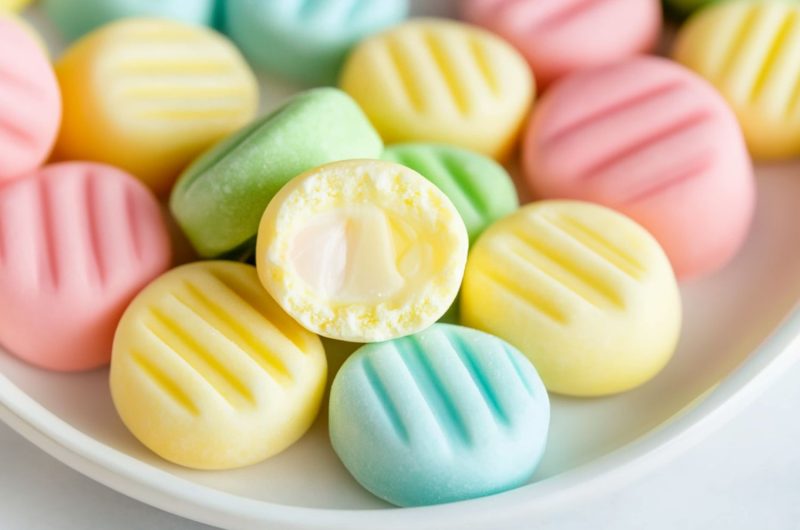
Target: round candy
column 444, row 415
column 76, row 17
column 583, row 291
column 77, row 243
column 481, row 190
column 209, row 373
column 750, row 50
column 558, row 37
column 149, row 95
column 362, row 250
column 441, row 81
column 30, row 103
column 307, row 40
column 219, row 199
column 651, row 139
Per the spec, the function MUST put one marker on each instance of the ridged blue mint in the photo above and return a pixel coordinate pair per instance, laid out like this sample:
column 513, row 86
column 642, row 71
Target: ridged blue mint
column 481, row 190
column 306, row 40
column 219, row 199
column 444, row 415
column 73, row 18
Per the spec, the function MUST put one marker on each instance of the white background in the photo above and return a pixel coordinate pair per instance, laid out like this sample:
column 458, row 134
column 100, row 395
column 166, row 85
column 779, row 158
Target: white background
column 745, row 476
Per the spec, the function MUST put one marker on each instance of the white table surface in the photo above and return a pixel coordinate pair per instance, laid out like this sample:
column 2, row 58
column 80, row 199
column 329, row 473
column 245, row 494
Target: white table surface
column 745, row 476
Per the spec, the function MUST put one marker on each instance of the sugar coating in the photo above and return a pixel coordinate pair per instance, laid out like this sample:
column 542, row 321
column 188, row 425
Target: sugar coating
column 558, row 37
column 149, row 95
column 481, row 190
column 432, row 80
column 30, row 103
column 73, row 18
column 219, row 199
column 651, row 139
column 77, row 243
column 584, row 292
column 750, row 51
column 423, row 247
column 447, row 414
column 307, row 41
column 209, row 373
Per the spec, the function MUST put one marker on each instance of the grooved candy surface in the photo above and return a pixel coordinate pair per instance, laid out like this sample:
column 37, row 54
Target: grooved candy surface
column 362, row 250
column 77, row 242
column 649, row 138
column 558, row 37
column 481, row 190
column 219, row 199
column 440, row 81
column 751, row 52
column 208, row 372
column 447, row 414
column 584, row 292
column 73, row 18
column 149, row 95
column 307, row 40
column 30, row 104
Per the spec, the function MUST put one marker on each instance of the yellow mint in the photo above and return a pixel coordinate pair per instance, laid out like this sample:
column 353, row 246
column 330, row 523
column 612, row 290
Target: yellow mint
column 750, row 51
column 149, row 95
column 584, row 292
column 210, row 373
column 362, row 265
column 441, row 81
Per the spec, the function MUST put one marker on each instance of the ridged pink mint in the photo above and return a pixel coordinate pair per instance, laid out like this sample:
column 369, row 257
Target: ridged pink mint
column 77, row 242
column 654, row 141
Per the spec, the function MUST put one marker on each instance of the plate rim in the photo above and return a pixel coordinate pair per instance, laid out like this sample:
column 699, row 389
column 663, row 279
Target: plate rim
column 161, row 489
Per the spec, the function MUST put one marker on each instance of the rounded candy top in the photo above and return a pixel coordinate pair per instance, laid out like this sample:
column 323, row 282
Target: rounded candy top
column 447, row 414
column 750, row 50
column 653, row 140
column 149, row 95
column 441, row 81
column 584, row 292
column 208, row 372
column 77, row 243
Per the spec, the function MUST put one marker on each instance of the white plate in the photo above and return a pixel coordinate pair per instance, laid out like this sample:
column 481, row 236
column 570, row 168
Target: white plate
column 738, row 333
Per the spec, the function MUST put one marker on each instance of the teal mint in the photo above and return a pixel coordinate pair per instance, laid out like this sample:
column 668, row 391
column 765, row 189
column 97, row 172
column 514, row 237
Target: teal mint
column 481, row 190
column 444, row 415
column 73, row 18
column 306, row 40
column 219, row 199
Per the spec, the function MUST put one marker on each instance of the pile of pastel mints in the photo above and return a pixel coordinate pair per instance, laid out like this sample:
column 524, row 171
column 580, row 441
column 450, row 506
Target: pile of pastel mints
column 379, row 213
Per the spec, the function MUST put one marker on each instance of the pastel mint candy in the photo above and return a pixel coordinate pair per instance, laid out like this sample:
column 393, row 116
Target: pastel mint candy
column 481, row 190
column 76, row 17
column 306, row 40
column 447, row 414
column 219, row 199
